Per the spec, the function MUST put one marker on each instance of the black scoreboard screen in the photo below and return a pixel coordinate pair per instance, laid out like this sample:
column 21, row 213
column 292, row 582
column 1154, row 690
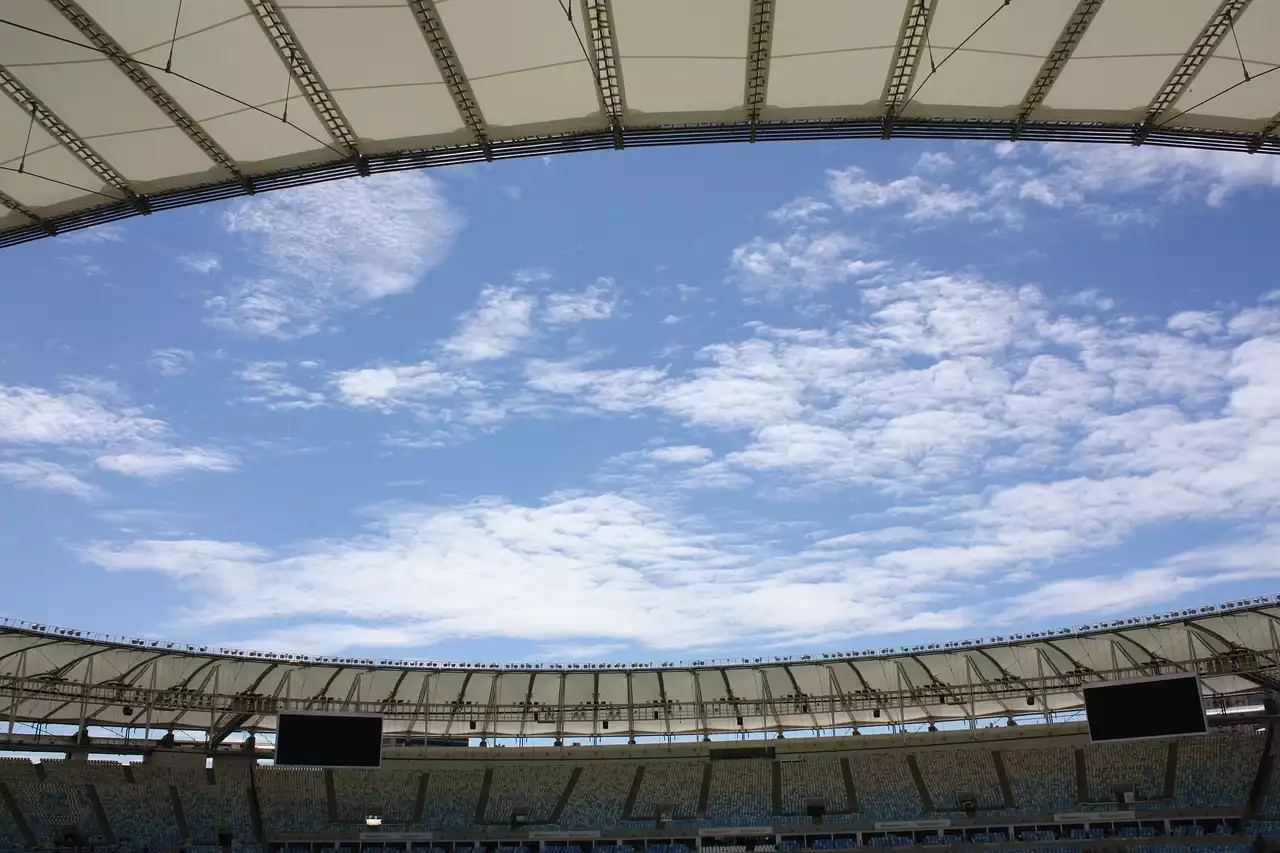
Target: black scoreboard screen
column 1150, row 708
column 328, row 740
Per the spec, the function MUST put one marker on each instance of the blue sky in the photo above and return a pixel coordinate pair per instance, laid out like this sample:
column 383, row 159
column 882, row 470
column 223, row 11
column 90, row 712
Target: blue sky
column 653, row 404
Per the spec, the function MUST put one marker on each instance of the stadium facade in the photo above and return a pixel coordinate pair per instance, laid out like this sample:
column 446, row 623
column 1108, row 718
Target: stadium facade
column 115, row 109
column 1041, row 784
column 58, row 675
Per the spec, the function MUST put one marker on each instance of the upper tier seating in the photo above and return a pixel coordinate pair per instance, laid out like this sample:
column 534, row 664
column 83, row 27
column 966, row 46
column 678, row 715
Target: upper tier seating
column 391, row 794
column 813, row 776
column 673, row 782
column 292, row 799
column 884, row 786
column 740, row 793
column 949, row 772
column 1042, row 780
column 600, row 795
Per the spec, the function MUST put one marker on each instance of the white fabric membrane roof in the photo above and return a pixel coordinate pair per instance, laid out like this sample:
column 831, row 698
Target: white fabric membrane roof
column 121, row 107
column 60, row 675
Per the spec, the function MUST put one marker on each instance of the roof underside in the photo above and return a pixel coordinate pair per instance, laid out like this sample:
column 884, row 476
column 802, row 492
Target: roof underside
column 120, row 107
column 50, row 677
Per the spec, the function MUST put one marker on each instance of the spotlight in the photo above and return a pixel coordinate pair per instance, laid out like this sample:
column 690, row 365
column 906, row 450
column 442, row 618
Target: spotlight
column 128, row 711
column 1031, row 700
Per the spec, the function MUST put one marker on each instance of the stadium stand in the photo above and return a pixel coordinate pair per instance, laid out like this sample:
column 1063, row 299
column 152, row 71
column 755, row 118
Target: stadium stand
column 600, row 796
column 390, row 794
column 452, row 796
column 1217, row 770
column 292, row 799
column 210, row 802
column 534, row 787
column 673, row 782
column 1140, row 763
column 1042, row 780
column 813, row 776
column 949, row 773
column 740, row 792
column 884, row 785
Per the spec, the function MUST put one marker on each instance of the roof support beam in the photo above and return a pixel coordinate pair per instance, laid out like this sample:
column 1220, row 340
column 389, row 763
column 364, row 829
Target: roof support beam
column 68, row 138
column 759, row 51
column 451, row 70
column 282, row 38
column 906, row 61
column 1267, row 133
column 603, row 44
column 18, row 207
column 1081, row 17
column 99, row 38
column 1184, row 73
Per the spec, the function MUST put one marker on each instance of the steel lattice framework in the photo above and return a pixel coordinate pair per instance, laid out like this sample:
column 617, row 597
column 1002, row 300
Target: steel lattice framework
column 114, row 108
column 60, row 675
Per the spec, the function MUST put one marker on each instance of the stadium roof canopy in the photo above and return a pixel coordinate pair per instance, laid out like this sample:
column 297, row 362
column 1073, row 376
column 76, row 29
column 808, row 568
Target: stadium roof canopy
column 123, row 107
column 61, row 675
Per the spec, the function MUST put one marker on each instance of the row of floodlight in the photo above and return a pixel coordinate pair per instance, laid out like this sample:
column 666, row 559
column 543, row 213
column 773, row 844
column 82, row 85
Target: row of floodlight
column 1050, row 633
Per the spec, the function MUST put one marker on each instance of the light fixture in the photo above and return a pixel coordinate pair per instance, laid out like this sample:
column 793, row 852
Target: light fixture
column 373, row 820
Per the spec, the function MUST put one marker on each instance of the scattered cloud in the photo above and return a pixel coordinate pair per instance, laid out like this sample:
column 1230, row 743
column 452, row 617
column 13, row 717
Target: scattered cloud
column 803, row 210
column 271, row 387
column 44, row 476
column 852, row 189
column 681, row 453
column 801, row 262
column 171, row 362
column 167, row 462
column 500, row 324
column 333, row 246
column 201, row 262
column 597, row 302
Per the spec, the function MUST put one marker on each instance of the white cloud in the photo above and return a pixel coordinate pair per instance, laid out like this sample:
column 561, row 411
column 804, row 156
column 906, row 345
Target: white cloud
column 42, row 475
column 171, row 362
column 597, row 302
column 35, row 416
column 388, row 386
column 801, row 210
column 853, row 190
column 159, row 463
column 934, row 161
column 201, row 262
column 627, row 570
column 801, row 262
column 500, row 324
column 272, row 388
column 333, row 246
column 681, row 453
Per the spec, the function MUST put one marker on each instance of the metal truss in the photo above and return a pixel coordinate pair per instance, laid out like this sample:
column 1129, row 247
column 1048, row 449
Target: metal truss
column 1267, row 133
column 1081, row 17
column 759, row 50
column 67, row 138
column 326, row 108
column 146, row 83
column 450, row 66
column 603, row 42
column 1189, row 66
column 906, row 61
column 18, row 207
column 869, row 128
column 198, row 704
